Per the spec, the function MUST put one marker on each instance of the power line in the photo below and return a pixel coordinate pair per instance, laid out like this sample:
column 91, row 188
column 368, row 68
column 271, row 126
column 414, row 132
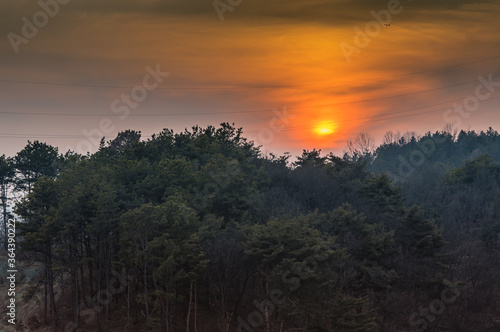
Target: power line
column 242, row 87
column 372, row 118
column 356, row 121
column 24, row 136
column 243, row 112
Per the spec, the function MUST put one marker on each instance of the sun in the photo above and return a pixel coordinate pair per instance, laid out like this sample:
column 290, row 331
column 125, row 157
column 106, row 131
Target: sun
column 324, row 131
column 325, row 128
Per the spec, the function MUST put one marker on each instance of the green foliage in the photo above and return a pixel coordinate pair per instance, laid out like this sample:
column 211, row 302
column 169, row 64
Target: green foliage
column 279, row 240
column 467, row 173
column 206, row 227
column 6, row 169
column 419, row 236
column 38, row 210
column 34, row 161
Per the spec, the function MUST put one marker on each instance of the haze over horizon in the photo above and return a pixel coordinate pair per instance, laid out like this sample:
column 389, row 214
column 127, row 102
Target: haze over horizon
column 338, row 67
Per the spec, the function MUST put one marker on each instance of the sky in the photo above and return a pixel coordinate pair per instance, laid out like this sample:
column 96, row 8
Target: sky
column 295, row 74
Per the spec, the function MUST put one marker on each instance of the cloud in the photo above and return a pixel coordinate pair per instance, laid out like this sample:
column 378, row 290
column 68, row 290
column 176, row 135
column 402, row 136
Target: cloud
column 292, row 42
column 329, row 12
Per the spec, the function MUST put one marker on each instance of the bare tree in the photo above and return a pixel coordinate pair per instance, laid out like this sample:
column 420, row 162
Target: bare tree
column 362, row 145
column 391, row 137
column 409, row 136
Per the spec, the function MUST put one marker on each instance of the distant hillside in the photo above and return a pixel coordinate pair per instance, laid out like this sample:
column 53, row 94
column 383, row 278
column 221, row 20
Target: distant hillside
column 404, row 155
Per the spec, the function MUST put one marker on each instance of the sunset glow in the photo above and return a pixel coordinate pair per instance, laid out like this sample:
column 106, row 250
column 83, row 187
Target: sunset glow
column 238, row 70
column 325, row 129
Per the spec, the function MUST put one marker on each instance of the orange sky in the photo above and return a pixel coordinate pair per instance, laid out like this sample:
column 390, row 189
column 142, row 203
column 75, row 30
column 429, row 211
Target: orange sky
column 262, row 56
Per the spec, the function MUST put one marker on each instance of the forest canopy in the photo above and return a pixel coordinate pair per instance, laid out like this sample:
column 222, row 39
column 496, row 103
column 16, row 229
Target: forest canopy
column 200, row 231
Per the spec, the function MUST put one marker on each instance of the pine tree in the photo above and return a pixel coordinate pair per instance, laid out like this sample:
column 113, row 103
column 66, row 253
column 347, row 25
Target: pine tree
column 40, row 232
column 34, row 161
column 422, row 243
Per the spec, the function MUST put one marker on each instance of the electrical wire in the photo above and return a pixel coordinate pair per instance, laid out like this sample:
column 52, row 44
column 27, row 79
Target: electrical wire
column 243, row 112
column 245, row 87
